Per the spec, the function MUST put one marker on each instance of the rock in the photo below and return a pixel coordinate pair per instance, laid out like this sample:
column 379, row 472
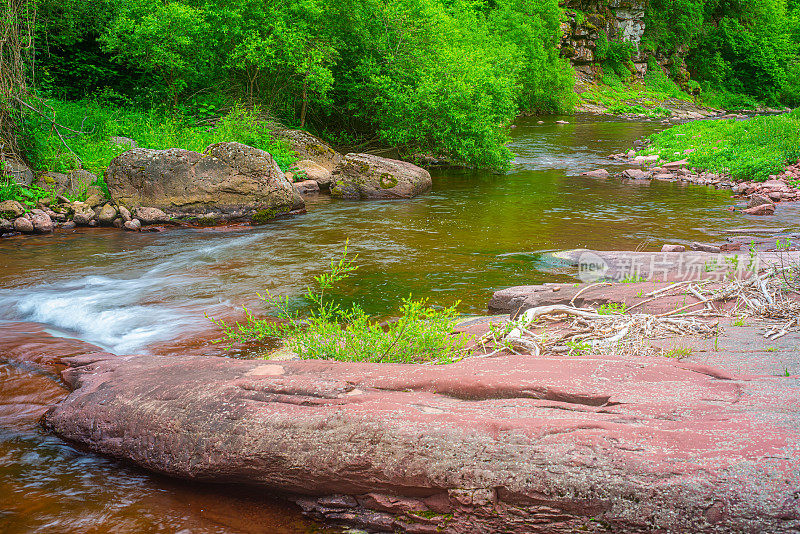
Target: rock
column 730, row 247
column 631, row 154
column 762, row 209
column 779, row 185
column 646, row 159
column 505, row 444
column 124, row 213
column 663, row 176
column 599, row 173
column 308, row 147
column 758, row 200
column 6, row 226
column 705, row 248
column 93, row 201
column 148, row 215
column 672, row 165
column 69, row 225
column 561, row 122
column 11, row 209
column 107, row 214
column 673, row 248
column 83, row 215
column 133, row 225
column 42, row 223
column 635, row 174
column 307, row 187
column 17, row 171
column 314, row 171
column 228, row 178
column 775, row 196
column 119, row 222
column 126, row 142
column 364, row 176
column 23, row 225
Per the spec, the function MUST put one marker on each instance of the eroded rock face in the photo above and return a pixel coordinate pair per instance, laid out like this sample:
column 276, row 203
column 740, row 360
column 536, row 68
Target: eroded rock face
column 308, row 147
column 364, row 176
column 230, row 178
column 510, row 444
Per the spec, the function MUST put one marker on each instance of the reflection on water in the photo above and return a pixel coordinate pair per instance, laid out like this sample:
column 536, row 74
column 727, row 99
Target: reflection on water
column 474, row 233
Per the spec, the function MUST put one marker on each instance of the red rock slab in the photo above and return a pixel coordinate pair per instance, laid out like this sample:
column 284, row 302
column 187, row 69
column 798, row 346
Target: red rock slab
column 510, row 444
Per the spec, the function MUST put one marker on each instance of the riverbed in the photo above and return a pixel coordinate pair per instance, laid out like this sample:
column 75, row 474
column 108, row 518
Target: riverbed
column 476, row 232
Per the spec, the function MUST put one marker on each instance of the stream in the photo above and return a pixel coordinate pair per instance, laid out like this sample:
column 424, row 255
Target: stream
column 476, row 232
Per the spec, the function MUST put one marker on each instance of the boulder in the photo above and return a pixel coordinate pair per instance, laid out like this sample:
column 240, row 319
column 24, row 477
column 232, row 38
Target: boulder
column 107, row 214
column 365, row 176
column 758, row 200
column 93, row 200
column 69, row 225
column 507, row 444
column 42, row 223
column 6, row 226
column 132, row 225
column 75, row 182
column 11, row 209
column 673, row 165
column 24, row 225
column 313, row 171
column 124, row 213
column 17, row 171
column 646, row 159
column 762, row 209
column 149, row 215
column 702, row 247
column 599, row 173
column 673, row 248
column 230, row 178
column 635, row 174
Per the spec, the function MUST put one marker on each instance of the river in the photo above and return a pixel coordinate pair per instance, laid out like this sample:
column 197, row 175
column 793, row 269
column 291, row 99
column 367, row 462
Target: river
column 149, row 292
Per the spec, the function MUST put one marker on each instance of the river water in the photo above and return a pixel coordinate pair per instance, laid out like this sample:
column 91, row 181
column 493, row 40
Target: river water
column 149, row 292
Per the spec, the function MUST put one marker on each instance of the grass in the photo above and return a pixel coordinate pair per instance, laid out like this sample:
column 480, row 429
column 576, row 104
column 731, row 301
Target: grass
column 747, row 150
column 149, row 129
column 421, row 334
column 678, row 352
column 612, row 308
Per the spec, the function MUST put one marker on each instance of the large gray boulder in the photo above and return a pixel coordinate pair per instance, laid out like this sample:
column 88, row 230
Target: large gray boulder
column 229, row 178
column 365, row 176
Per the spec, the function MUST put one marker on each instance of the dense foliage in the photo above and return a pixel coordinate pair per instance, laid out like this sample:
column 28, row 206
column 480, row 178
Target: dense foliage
column 438, row 76
column 741, row 51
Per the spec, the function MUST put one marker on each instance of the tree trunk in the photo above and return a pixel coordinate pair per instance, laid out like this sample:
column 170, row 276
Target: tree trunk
column 304, row 105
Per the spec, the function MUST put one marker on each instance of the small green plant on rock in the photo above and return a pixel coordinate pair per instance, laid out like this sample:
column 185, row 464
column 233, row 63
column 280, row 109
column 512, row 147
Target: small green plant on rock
column 421, row 334
column 578, row 348
column 613, row 308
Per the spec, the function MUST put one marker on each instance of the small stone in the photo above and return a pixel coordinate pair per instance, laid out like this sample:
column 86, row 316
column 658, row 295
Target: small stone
column 6, row 226
column 562, row 122
column 124, row 213
column 132, row 225
column 646, row 159
column 758, row 200
column 83, row 215
column 107, row 214
column 704, row 248
column 663, row 176
column 150, row 215
column 730, row 247
column 631, row 154
column 763, row 209
column 93, row 201
column 69, row 225
column 673, row 248
column 118, row 222
column 42, row 223
column 307, row 186
column 635, row 174
column 775, row 195
column 24, row 225
column 676, row 164
column 599, row 173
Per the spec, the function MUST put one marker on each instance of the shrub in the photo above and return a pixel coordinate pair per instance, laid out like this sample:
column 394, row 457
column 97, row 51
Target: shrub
column 330, row 331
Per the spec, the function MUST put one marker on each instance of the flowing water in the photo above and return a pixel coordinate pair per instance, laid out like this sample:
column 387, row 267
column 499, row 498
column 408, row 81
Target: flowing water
column 148, row 292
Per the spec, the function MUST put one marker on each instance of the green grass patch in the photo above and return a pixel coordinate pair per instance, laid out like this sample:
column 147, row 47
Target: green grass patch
column 633, row 96
column 747, row 150
column 153, row 130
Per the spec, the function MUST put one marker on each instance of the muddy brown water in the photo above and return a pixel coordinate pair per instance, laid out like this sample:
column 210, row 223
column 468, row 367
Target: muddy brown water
column 474, row 233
